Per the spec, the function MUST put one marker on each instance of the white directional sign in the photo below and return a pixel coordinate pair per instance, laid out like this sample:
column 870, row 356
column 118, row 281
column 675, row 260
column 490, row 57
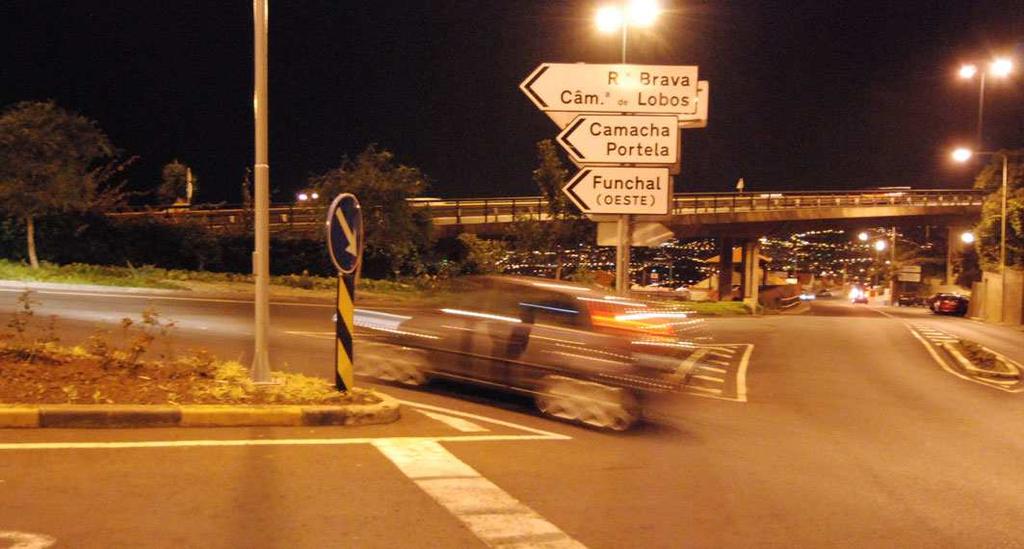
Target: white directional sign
column 608, row 190
column 619, row 139
column 699, row 118
column 578, row 87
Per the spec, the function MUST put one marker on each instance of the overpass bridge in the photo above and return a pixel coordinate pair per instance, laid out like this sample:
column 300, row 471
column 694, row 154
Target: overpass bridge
column 735, row 219
column 693, row 214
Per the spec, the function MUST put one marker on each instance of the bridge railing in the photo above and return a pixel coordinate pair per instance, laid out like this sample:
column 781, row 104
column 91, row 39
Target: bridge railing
column 300, row 217
column 695, row 203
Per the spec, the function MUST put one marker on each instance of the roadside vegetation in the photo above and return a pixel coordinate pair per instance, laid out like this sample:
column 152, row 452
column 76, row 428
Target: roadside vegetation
column 137, row 363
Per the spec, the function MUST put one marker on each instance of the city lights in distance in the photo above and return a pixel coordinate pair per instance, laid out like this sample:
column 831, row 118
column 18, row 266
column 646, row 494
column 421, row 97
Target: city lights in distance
column 879, row 245
column 863, row 236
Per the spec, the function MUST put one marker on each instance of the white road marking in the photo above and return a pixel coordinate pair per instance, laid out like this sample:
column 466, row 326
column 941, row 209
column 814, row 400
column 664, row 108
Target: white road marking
column 741, row 374
column 711, row 369
column 449, row 411
column 26, row 540
column 705, row 389
column 317, row 335
column 709, row 378
column 494, row 516
column 255, row 442
column 721, row 354
column 719, row 362
column 456, row 423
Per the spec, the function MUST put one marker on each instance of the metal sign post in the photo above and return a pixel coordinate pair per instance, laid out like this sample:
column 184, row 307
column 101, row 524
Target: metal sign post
column 344, row 242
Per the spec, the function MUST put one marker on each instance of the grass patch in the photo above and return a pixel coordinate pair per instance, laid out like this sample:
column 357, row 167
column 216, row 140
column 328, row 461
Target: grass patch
column 717, row 308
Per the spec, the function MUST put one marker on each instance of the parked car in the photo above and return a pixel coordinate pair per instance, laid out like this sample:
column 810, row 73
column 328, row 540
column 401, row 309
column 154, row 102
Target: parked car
column 909, row 300
column 581, row 354
column 948, row 304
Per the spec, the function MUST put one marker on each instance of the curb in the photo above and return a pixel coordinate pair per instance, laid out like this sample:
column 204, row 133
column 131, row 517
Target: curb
column 966, row 364
column 78, row 416
column 153, row 292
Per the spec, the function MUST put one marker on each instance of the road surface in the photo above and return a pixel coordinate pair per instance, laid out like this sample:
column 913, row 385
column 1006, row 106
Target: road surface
column 847, row 433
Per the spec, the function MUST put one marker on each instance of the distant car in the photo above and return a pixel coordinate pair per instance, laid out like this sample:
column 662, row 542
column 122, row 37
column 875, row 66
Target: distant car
column 583, row 355
column 858, row 295
column 824, row 292
column 948, row 304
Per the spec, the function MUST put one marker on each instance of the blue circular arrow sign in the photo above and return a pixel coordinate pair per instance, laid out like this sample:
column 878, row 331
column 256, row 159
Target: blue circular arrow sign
column 345, row 232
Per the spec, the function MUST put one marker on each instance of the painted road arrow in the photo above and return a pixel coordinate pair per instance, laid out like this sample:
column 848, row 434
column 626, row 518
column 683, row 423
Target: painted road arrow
column 619, row 139
column 647, row 89
column 608, row 190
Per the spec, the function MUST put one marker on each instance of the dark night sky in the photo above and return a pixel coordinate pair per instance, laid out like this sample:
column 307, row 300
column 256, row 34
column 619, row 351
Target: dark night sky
column 804, row 94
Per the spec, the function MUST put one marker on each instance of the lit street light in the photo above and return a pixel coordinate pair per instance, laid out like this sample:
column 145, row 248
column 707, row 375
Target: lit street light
column 967, row 237
column 863, row 236
column 1000, row 68
column 879, row 245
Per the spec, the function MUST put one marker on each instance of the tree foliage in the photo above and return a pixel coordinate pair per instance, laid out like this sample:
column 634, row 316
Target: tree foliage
column 53, row 160
column 174, row 179
column 565, row 228
column 987, row 232
column 482, row 256
column 396, row 235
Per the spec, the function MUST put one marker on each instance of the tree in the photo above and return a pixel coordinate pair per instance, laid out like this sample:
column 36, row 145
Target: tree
column 482, row 256
column 53, row 160
column 987, row 232
column 396, row 235
column 175, row 180
column 566, row 228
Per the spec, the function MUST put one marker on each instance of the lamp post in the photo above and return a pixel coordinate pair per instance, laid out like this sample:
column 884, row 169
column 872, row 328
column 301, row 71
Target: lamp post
column 1000, row 68
column 963, row 155
column 260, row 371
column 610, row 19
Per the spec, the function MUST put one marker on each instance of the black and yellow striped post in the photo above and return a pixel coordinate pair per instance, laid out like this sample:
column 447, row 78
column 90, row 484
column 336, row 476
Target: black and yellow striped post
column 344, row 242
column 344, row 329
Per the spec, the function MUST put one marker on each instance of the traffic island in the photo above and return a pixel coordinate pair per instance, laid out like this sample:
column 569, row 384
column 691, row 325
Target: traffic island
column 46, row 385
column 981, row 362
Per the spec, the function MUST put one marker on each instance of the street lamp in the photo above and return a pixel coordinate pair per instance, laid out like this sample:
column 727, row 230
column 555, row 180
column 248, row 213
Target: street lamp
column 609, row 19
column 863, row 236
column 967, row 237
column 1000, row 68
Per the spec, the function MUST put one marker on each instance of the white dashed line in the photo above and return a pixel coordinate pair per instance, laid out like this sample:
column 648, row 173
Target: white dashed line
column 705, row 389
column 711, row 369
column 456, row 423
column 709, row 378
column 494, row 516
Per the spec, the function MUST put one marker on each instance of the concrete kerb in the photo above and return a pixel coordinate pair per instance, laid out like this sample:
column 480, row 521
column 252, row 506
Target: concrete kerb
column 196, row 415
column 1011, row 373
column 156, row 292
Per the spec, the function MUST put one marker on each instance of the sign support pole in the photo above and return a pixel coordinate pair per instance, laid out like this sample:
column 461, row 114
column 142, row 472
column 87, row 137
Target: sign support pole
column 622, row 253
column 344, row 328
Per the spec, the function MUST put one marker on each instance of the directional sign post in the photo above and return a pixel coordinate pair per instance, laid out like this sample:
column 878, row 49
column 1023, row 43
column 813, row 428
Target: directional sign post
column 593, row 139
column 607, row 190
column 344, row 242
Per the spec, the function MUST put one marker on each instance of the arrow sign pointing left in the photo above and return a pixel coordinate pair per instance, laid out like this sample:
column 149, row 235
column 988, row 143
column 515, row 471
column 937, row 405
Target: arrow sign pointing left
column 618, row 139
column 608, row 190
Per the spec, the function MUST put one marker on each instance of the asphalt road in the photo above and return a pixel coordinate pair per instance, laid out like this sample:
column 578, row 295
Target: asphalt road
column 848, row 433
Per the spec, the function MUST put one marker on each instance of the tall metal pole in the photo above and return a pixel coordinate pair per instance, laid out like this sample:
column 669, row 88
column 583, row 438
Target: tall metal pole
column 1002, row 226
column 981, row 110
column 624, row 231
column 261, row 257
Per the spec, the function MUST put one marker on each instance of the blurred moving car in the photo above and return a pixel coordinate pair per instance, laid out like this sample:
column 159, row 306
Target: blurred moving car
column 808, row 295
column 582, row 355
column 950, row 304
column 824, row 293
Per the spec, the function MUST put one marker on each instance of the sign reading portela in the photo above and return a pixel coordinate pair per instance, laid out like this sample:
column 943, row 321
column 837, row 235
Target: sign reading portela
column 617, row 190
column 619, row 139
column 648, row 89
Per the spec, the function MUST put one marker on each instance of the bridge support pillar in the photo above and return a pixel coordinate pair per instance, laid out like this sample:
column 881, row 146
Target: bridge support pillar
column 725, row 245
column 751, row 273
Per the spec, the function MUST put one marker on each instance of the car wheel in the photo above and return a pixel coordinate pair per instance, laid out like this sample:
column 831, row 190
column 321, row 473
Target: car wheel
column 588, row 403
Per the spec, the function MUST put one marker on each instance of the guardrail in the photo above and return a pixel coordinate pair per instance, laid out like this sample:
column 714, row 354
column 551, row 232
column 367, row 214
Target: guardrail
column 298, row 217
